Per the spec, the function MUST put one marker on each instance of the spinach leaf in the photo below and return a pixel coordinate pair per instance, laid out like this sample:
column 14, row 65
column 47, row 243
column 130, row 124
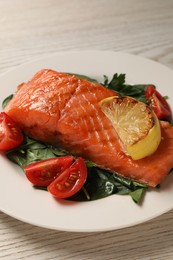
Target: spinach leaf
column 31, row 151
column 100, row 184
column 6, row 100
column 137, row 195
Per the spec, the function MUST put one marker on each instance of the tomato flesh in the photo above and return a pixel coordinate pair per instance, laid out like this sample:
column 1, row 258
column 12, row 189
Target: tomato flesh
column 10, row 134
column 42, row 173
column 70, row 181
column 157, row 102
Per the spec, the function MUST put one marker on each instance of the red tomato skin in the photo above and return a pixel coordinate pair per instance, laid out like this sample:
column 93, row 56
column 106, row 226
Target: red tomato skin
column 157, row 102
column 70, row 181
column 43, row 172
column 10, row 134
column 149, row 91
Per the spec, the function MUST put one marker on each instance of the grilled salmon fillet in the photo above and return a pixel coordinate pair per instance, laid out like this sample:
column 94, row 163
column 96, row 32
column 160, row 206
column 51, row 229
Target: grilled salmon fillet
column 62, row 109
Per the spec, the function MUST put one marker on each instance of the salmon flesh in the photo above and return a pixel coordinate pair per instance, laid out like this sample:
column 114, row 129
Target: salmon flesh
column 63, row 110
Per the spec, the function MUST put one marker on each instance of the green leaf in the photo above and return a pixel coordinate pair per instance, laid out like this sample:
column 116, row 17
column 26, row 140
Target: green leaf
column 137, row 195
column 58, row 151
column 117, row 82
column 30, row 151
column 100, row 184
column 89, row 164
column 33, row 155
column 40, row 188
column 132, row 185
column 6, row 100
column 17, row 157
column 106, row 80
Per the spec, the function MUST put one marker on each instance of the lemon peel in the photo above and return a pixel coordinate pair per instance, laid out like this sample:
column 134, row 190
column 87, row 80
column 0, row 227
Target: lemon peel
column 135, row 123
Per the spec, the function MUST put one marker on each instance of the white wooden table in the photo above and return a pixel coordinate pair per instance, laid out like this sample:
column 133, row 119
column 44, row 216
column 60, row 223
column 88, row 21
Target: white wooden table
column 36, row 28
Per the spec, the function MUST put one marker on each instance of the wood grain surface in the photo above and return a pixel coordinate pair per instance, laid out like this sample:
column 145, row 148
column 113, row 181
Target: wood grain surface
column 36, row 28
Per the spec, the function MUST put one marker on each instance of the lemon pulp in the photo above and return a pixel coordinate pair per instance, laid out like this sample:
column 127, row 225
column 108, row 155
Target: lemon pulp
column 135, row 123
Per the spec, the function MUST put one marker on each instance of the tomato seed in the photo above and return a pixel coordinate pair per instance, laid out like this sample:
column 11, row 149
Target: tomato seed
column 70, row 180
column 73, row 177
column 67, row 184
column 58, row 186
column 48, row 174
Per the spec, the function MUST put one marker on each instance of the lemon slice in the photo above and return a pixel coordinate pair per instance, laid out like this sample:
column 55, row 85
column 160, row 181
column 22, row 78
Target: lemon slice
column 135, row 123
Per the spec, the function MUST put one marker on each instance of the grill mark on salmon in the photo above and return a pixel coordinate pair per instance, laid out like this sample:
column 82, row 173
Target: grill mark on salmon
column 101, row 128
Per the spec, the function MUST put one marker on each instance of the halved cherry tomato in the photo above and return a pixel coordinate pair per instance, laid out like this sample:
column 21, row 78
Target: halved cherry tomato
column 158, row 103
column 70, row 181
column 42, row 173
column 10, row 134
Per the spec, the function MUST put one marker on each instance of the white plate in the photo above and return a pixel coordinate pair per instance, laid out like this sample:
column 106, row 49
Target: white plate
column 20, row 200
